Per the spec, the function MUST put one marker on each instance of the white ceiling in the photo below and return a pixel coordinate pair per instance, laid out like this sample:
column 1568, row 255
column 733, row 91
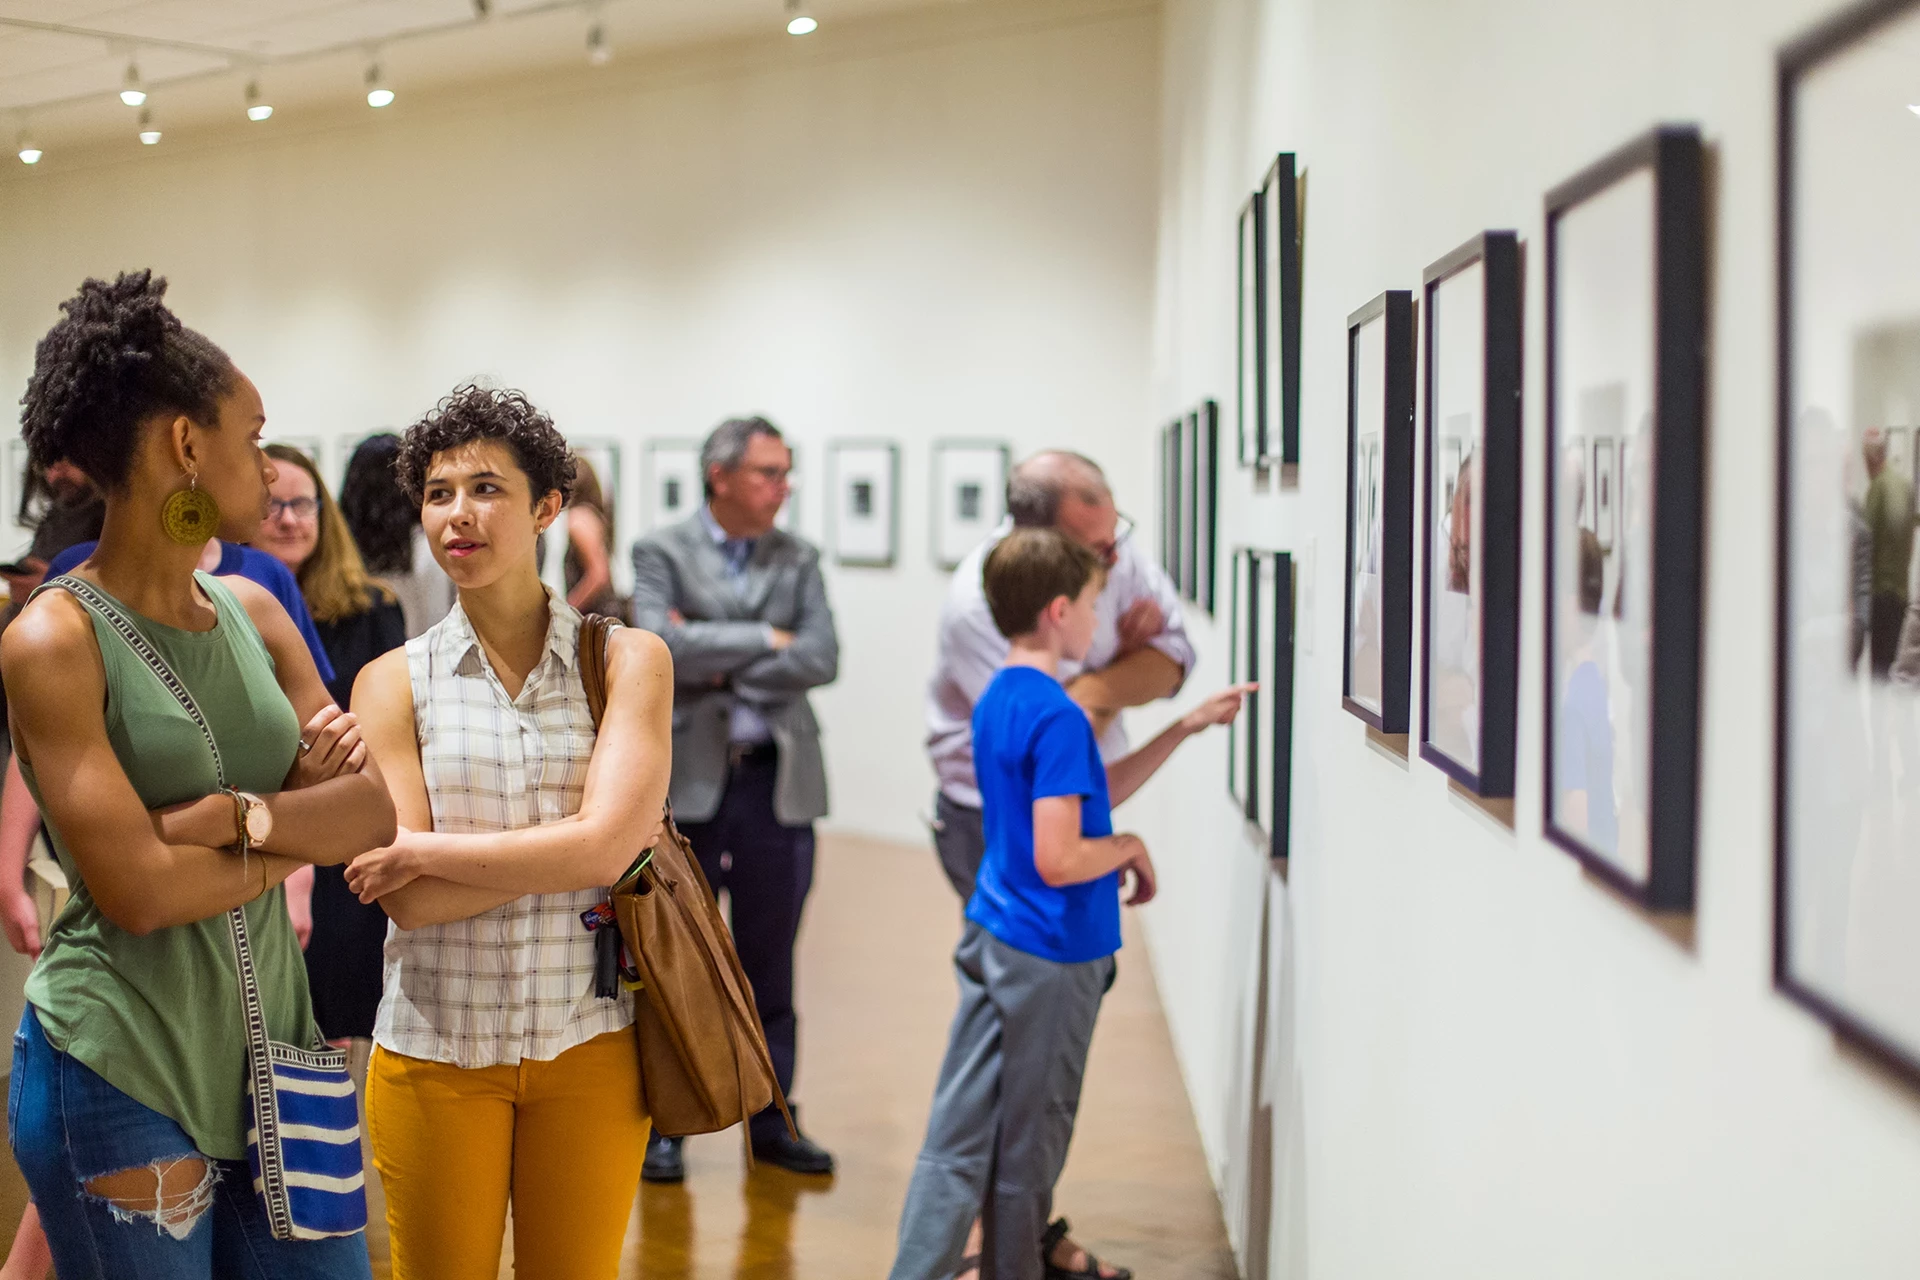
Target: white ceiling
column 62, row 61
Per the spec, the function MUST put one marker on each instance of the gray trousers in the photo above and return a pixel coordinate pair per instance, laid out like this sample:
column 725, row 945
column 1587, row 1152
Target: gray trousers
column 1003, row 1111
column 960, row 838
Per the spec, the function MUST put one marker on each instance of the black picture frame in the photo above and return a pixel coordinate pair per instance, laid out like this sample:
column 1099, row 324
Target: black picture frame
column 1250, row 396
column 1169, row 504
column 1392, row 563
column 1674, row 158
column 1798, row 942
column 1243, row 647
column 1281, row 259
column 1495, row 503
column 1207, row 510
column 1276, row 693
column 1189, row 578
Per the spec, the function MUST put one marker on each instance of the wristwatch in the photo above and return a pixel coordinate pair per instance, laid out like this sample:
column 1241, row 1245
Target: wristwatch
column 254, row 820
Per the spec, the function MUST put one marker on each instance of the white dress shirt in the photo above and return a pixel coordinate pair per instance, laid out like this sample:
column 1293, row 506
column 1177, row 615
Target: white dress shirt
column 972, row 650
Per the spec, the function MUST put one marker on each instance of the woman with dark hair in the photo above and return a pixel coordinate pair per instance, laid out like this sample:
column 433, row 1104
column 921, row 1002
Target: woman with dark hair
column 496, row 1052
column 129, row 1094
column 385, row 523
column 359, row 619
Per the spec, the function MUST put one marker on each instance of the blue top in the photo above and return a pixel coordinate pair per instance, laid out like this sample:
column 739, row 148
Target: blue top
column 1030, row 740
column 1583, row 753
column 255, row 566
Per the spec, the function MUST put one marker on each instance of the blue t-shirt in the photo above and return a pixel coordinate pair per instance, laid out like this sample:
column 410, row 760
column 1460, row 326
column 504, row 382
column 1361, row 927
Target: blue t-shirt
column 1030, row 741
column 245, row 562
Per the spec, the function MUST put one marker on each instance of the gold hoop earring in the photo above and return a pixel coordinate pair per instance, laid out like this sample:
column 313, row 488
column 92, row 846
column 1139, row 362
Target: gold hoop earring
column 190, row 515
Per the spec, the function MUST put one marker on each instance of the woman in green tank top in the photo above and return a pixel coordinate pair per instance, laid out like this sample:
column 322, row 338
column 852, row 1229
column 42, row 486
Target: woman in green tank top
column 128, row 1096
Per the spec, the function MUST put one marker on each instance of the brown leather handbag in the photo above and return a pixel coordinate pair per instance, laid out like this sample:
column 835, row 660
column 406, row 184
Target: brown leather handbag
column 704, row 1064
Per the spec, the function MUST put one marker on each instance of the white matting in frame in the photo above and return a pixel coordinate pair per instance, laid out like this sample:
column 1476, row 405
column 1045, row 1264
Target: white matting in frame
column 969, row 496
column 670, row 476
column 1847, row 802
column 863, row 524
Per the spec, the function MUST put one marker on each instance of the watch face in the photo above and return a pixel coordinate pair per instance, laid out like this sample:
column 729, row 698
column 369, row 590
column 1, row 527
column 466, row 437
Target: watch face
column 259, row 820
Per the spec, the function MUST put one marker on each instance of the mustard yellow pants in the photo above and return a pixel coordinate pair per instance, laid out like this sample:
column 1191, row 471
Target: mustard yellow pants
column 562, row 1140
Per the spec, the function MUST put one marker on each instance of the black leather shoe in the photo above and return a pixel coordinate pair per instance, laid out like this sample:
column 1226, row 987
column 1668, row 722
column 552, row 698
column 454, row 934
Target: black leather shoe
column 663, row 1162
column 798, row 1155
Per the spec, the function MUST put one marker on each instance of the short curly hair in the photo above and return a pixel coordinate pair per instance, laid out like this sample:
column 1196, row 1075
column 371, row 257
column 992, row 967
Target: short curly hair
column 115, row 359
column 474, row 413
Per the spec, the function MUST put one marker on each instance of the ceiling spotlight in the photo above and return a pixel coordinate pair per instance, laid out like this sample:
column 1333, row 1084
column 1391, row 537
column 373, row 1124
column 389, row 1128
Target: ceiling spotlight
column 256, row 109
column 378, row 95
column 29, row 150
column 148, row 134
column 132, row 92
column 798, row 21
column 599, row 52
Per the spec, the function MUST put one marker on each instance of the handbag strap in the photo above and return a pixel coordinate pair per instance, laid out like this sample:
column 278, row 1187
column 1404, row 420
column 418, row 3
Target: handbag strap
column 259, row 1061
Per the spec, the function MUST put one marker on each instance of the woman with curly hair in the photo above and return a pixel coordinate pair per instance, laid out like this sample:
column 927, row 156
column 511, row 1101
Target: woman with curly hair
column 130, row 1066
column 385, row 524
column 495, row 1053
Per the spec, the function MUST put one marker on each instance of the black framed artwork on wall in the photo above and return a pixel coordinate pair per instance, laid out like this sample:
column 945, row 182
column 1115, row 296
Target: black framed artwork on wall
column 863, row 520
column 1377, row 663
column 1169, row 503
column 1847, row 745
column 1243, row 647
column 1280, row 262
column 1190, row 461
column 1250, row 324
column 1626, row 363
column 1470, row 604
column 1271, row 710
column 1206, row 502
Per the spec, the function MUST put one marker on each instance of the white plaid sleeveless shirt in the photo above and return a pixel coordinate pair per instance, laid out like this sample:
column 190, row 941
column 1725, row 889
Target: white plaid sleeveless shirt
column 517, row 981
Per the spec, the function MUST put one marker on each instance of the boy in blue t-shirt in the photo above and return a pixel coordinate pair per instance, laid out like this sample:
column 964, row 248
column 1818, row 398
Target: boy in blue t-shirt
column 1042, row 928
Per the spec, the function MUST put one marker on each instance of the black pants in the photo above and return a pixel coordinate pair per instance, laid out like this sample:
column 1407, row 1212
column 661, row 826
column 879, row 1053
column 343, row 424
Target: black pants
column 1888, row 612
column 766, row 869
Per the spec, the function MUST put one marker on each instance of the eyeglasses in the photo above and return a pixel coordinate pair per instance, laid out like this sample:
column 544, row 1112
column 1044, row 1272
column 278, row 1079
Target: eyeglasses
column 772, row 475
column 1123, row 528
column 302, row 509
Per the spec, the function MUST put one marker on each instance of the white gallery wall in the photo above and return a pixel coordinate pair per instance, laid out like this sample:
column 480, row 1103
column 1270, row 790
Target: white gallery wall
column 1436, row 1048
column 936, row 225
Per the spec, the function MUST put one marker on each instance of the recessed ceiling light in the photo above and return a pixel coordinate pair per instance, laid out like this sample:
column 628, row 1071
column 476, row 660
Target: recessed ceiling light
column 29, row 152
column 131, row 91
column 599, row 52
column 256, row 109
column 378, row 95
column 802, row 26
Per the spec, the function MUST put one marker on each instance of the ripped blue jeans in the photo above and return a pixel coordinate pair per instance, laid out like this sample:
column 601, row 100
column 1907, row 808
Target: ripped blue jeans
column 172, row 1213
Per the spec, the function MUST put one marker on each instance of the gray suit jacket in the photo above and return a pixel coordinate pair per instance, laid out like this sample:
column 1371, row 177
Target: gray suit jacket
column 720, row 653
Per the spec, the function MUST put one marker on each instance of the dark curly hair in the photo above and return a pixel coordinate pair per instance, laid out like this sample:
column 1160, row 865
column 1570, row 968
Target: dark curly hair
column 474, row 413
column 378, row 512
column 115, row 359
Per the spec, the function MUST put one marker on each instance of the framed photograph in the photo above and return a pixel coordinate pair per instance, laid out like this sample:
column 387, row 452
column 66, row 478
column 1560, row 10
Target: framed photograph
column 1206, row 424
column 1251, row 411
column 863, row 525
column 1243, row 648
column 13, row 486
column 1626, row 344
column 1270, row 708
column 1169, row 501
column 1189, row 567
column 1847, row 765
column 1280, row 312
column 788, row 521
column 605, row 456
column 1470, row 608
column 969, row 496
column 671, row 477
column 1377, row 670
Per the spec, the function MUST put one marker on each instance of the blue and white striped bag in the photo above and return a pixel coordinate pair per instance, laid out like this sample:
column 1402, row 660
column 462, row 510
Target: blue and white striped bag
column 303, row 1124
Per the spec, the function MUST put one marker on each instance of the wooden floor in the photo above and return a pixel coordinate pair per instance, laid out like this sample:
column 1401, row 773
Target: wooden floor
column 876, row 995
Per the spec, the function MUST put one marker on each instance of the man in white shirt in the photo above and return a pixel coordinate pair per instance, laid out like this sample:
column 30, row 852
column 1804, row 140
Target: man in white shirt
column 1140, row 652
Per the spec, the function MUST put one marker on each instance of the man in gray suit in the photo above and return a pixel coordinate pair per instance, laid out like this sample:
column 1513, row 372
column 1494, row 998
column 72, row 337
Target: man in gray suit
column 744, row 610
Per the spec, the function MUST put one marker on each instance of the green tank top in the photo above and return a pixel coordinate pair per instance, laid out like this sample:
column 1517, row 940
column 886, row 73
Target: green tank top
column 160, row 1017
